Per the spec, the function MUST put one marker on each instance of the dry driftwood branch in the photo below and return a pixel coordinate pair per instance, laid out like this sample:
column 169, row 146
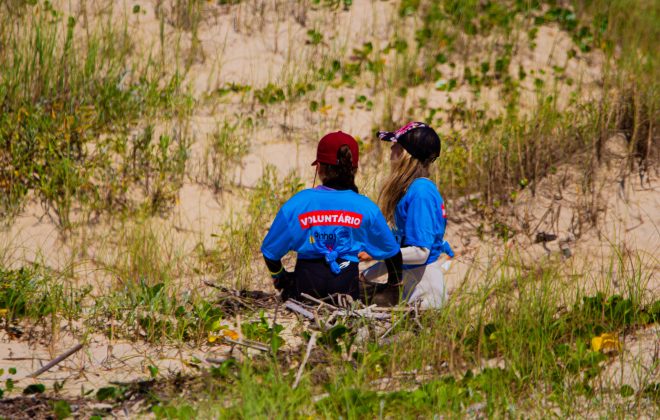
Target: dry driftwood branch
column 391, row 308
column 332, row 318
column 318, row 301
column 57, row 360
column 367, row 313
column 310, row 345
column 251, row 344
column 217, row 360
column 419, row 324
column 296, row 307
column 219, row 287
column 391, row 328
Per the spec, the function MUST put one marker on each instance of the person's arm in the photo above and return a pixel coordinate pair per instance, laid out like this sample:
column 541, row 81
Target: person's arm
column 281, row 277
column 426, row 223
column 275, row 245
column 415, row 255
column 380, row 244
column 275, row 267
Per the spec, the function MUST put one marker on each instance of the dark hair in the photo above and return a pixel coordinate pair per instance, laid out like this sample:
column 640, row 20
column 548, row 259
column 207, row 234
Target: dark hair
column 342, row 175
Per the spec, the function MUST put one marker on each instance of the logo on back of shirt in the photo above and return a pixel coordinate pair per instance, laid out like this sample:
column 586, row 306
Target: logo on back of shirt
column 444, row 212
column 330, row 218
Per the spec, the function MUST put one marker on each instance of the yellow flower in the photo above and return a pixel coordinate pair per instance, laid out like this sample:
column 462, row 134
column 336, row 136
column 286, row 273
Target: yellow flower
column 606, row 342
column 230, row 334
column 212, row 337
column 4, row 312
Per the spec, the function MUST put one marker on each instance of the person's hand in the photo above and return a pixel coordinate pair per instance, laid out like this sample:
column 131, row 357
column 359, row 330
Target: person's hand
column 385, row 294
column 364, row 257
column 284, row 281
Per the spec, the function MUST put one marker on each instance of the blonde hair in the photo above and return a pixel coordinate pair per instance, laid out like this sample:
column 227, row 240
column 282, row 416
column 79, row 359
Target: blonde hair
column 404, row 171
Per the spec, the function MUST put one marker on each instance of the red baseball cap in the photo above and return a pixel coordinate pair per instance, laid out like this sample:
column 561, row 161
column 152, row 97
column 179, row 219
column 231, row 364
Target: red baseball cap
column 329, row 145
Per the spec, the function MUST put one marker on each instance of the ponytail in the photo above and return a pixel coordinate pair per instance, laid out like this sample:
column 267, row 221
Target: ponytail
column 342, row 175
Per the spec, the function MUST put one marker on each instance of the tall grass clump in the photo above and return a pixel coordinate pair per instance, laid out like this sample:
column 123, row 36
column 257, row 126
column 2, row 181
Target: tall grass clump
column 37, row 293
column 146, row 298
column 237, row 259
column 628, row 32
column 227, row 146
column 517, row 342
column 187, row 16
column 497, row 152
column 61, row 89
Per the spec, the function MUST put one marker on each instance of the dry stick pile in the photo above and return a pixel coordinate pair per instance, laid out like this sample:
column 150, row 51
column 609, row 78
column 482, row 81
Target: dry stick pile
column 321, row 314
column 344, row 309
column 323, row 321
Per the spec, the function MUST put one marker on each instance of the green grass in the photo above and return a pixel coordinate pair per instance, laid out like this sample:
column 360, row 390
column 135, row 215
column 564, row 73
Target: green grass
column 62, row 88
column 540, row 340
column 90, row 129
column 536, row 324
column 36, row 293
column 236, row 260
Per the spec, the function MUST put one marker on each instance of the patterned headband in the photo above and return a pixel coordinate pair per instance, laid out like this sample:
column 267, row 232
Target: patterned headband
column 394, row 136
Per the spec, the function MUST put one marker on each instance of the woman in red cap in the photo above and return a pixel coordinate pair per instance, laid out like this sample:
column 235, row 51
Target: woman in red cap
column 327, row 227
column 413, row 205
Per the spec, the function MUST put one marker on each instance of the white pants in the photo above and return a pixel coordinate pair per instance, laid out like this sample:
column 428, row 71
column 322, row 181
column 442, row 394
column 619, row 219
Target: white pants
column 425, row 284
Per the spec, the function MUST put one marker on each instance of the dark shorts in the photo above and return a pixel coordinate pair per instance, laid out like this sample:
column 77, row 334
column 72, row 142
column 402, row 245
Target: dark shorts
column 315, row 278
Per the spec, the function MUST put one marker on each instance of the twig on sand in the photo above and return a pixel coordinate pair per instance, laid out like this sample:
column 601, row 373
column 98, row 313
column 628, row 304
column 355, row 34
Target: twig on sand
column 391, row 328
column 318, row 301
column 217, row 360
column 222, row 288
column 366, row 313
column 295, row 307
column 250, row 344
column 310, row 346
column 419, row 324
column 57, row 360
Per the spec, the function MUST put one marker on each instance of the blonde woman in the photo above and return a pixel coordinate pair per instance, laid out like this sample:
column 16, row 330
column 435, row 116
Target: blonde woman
column 412, row 204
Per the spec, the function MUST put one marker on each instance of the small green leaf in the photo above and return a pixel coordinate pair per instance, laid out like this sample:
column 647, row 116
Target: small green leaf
column 12, row 371
column 61, row 409
column 626, row 391
column 34, row 389
column 107, row 393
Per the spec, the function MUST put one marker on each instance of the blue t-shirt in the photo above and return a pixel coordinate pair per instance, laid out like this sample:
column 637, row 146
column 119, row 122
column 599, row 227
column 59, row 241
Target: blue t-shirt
column 317, row 222
column 421, row 220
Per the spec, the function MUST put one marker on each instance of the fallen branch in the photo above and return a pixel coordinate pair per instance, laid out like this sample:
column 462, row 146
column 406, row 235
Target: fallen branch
column 57, row 360
column 221, row 288
column 310, row 345
column 389, row 330
column 250, row 344
column 366, row 313
column 392, row 309
column 318, row 301
column 292, row 306
column 217, row 360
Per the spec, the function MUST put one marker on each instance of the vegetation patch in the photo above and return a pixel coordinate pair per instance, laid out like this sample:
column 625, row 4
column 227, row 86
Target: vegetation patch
column 68, row 99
